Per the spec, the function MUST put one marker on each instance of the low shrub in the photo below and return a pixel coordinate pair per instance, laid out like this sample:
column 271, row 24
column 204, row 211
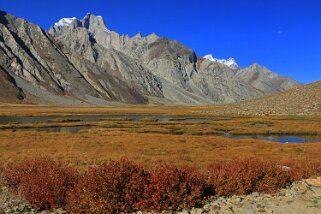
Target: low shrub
column 43, row 182
column 1, row 174
column 240, row 177
column 122, row 186
column 298, row 171
column 172, row 188
column 117, row 186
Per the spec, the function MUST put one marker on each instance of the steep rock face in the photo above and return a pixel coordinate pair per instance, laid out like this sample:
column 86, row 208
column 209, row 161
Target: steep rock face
column 182, row 67
column 220, row 83
column 39, row 64
column 265, row 80
column 91, row 40
column 164, row 68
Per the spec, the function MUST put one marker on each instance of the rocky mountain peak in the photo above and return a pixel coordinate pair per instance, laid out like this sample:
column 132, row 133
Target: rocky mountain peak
column 94, row 23
column 264, row 79
column 152, row 37
column 255, row 67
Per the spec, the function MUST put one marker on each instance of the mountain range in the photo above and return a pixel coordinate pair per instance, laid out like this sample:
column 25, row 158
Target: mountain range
column 82, row 62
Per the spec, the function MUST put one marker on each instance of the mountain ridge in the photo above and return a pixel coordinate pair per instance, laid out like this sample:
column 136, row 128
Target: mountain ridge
column 83, row 62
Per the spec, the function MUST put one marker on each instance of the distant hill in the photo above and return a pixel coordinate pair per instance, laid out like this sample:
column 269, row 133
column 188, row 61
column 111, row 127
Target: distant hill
column 303, row 100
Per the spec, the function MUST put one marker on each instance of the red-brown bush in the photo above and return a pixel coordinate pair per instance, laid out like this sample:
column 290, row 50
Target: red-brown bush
column 43, row 182
column 252, row 175
column 121, row 186
column 113, row 187
column 1, row 175
column 298, row 171
column 171, row 187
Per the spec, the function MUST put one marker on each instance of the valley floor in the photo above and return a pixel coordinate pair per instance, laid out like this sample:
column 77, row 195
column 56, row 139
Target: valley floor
column 191, row 136
column 149, row 141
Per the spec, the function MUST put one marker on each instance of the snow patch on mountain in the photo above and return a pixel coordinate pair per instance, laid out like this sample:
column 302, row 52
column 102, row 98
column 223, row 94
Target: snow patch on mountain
column 65, row 21
column 229, row 62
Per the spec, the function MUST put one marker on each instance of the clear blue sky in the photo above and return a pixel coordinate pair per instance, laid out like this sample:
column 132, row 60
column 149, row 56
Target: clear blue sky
column 283, row 35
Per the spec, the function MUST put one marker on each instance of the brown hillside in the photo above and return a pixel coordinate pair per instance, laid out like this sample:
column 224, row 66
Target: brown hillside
column 303, row 100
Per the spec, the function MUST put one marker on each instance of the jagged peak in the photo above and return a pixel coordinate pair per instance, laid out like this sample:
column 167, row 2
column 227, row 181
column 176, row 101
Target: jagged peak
column 95, row 24
column 90, row 15
column 152, row 37
column 138, row 36
column 92, row 22
column 255, row 67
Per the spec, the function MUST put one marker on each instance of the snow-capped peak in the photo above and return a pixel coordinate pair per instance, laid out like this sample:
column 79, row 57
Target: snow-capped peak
column 229, row 62
column 65, row 21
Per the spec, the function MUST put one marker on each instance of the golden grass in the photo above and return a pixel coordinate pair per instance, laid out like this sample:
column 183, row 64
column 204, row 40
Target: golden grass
column 97, row 145
column 179, row 142
column 214, row 125
column 37, row 110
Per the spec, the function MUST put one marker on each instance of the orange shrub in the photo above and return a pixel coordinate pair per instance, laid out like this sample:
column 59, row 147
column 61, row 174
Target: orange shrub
column 171, row 187
column 113, row 187
column 43, row 182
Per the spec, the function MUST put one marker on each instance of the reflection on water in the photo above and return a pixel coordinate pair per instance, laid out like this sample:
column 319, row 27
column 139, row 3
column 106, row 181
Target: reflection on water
column 161, row 118
column 279, row 138
column 272, row 138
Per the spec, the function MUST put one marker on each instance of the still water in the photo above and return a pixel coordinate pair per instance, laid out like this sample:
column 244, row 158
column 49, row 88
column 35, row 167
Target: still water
column 161, row 118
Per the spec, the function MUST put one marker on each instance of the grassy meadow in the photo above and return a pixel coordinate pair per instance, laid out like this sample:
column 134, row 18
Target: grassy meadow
column 149, row 142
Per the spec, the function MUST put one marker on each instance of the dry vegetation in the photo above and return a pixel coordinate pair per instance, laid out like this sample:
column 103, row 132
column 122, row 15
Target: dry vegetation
column 180, row 142
column 123, row 186
column 32, row 110
column 94, row 146
column 157, row 155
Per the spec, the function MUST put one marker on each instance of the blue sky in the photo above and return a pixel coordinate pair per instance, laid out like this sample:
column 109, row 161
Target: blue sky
column 283, row 35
